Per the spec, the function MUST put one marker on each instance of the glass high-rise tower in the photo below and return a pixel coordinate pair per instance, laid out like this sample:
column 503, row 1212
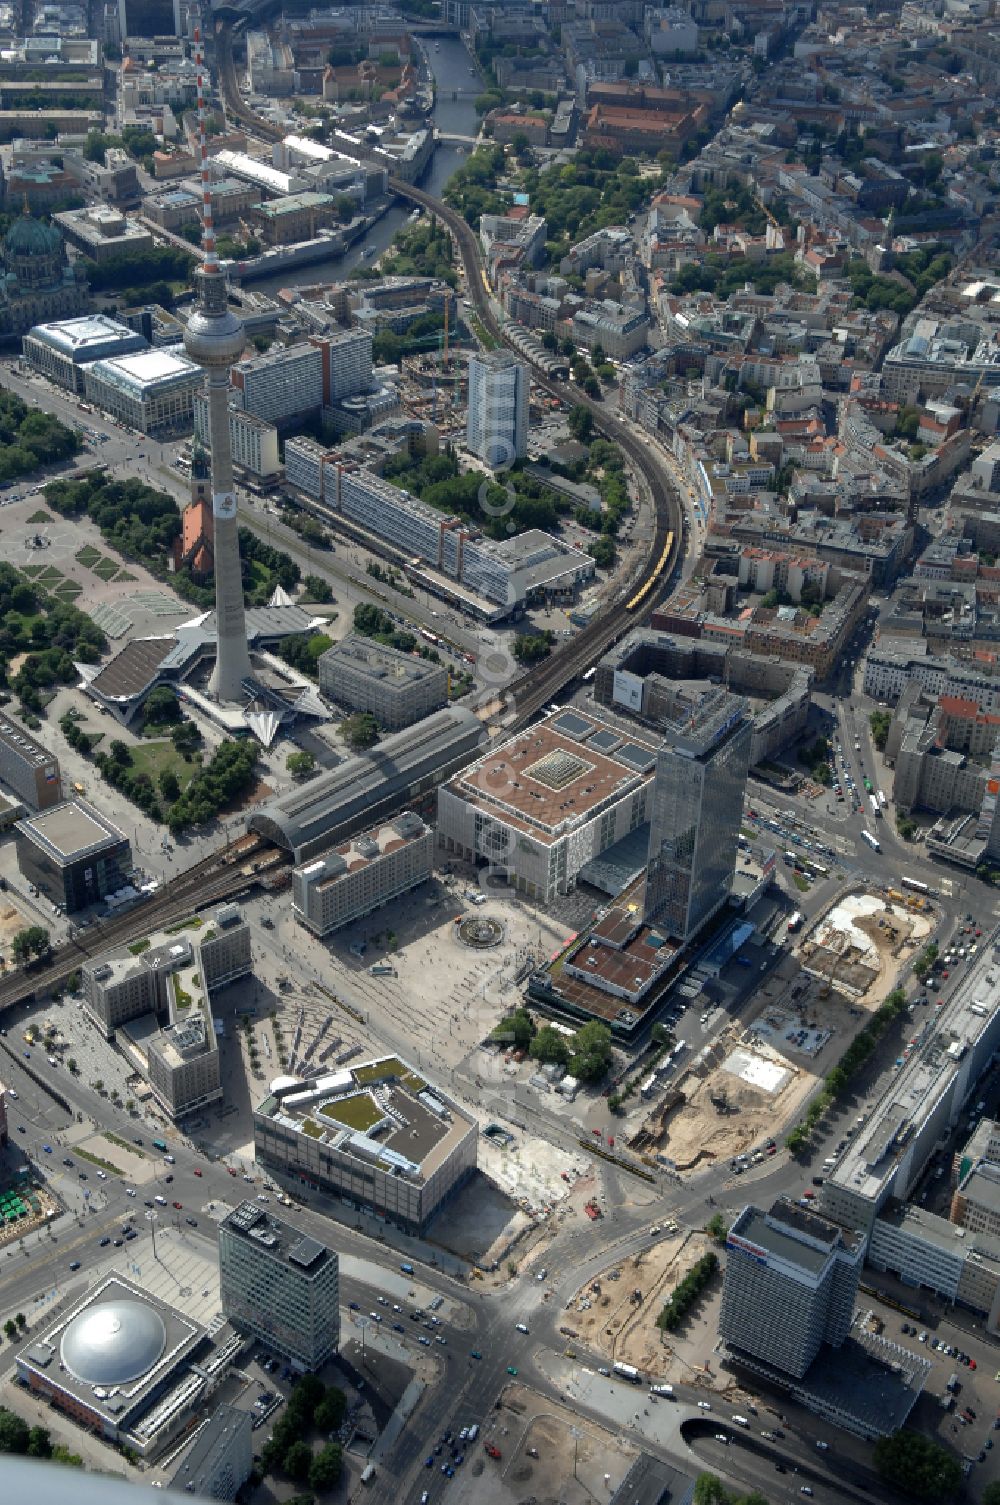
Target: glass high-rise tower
column 701, row 772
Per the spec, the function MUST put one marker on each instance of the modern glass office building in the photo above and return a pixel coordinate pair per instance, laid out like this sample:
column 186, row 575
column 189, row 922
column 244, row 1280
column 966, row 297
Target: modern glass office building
column 701, row 773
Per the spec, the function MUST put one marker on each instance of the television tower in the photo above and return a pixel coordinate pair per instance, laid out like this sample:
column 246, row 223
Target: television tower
column 214, row 339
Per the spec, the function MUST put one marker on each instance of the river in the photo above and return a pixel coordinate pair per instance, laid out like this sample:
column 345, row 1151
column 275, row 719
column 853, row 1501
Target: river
column 457, row 117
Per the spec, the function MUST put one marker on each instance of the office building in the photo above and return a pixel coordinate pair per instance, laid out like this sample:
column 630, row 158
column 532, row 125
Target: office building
column 61, row 351
column 219, row 1461
column 497, row 424
column 791, row 1279
column 376, row 1135
column 27, row 768
column 73, row 854
column 396, row 688
column 3, row 1116
column 540, row 806
column 280, row 387
column 280, row 1285
column 102, row 233
column 922, row 1101
column 363, row 874
column 697, row 806
column 152, row 392
column 254, row 443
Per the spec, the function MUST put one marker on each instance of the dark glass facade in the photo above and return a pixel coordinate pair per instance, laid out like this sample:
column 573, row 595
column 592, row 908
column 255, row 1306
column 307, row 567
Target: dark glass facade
column 79, row 881
column 697, row 810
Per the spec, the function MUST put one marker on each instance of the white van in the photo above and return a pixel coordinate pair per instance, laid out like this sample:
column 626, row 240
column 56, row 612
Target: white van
column 160, row 1201
column 740, row 1421
column 474, row 1431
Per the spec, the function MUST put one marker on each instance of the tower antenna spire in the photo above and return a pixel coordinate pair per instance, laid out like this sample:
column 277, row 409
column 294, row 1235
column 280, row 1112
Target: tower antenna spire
column 210, row 258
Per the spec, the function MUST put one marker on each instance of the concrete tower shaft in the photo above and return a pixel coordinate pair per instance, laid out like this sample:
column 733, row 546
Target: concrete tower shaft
column 215, row 338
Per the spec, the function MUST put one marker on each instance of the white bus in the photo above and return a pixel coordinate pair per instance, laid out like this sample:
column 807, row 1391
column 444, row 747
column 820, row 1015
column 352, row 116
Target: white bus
column 875, row 807
column 872, row 841
column 915, row 884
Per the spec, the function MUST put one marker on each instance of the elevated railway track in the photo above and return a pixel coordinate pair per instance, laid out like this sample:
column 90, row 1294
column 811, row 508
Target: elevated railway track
column 240, row 865
column 232, row 870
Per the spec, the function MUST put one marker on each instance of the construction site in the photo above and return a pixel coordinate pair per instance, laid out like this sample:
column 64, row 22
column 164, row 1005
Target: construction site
column 753, row 1076
column 616, row 1314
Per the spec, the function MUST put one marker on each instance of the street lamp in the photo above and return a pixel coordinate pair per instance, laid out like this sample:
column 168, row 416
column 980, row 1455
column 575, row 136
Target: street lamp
column 576, row 1434
column 151, row 1220
column 362, row 1323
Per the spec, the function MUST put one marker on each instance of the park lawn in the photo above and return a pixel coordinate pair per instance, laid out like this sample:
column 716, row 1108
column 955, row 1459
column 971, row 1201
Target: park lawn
column 38, row 518
column 154, row 757
column 32, row 570
column 88, row 556
column 68, row 591
column 105, row 568
column 50, row 576
column 123, row 578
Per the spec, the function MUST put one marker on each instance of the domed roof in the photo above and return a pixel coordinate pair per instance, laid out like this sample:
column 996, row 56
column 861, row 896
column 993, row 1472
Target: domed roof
column 32, row 237
column 113, row 1342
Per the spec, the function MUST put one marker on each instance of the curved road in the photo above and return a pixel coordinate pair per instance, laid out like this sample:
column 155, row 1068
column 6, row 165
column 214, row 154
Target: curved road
column 538, row 686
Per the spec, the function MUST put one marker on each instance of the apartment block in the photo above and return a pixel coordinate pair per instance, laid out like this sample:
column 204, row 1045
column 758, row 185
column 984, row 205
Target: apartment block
column 280, row 387
column 497, row 423
column 254, row 442
column 280, row 1286
column 346, row 363
column 363, row 874
column 396, row 688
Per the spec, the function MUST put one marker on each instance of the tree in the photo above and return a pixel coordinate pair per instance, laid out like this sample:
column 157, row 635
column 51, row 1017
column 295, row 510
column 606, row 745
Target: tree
column 300, row 763
column 991, row 1493
column 359, row 731
column 72, row 1066
column 21, row 1321
column 516, row 1029
column 39, row 1445
column 168, row 784
column 918, row 1466
column 34, row 941
column 10, row 1328
column 298, row 1460
column 549, row 1047
column 580, row 423
column 591, row 1052
column 880, row 722
column 317, row 589
column 13, row 1432
column 326, row 1467
column 529, row 648
column 330, row 1412
column 119, row 752
column 161, row 705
